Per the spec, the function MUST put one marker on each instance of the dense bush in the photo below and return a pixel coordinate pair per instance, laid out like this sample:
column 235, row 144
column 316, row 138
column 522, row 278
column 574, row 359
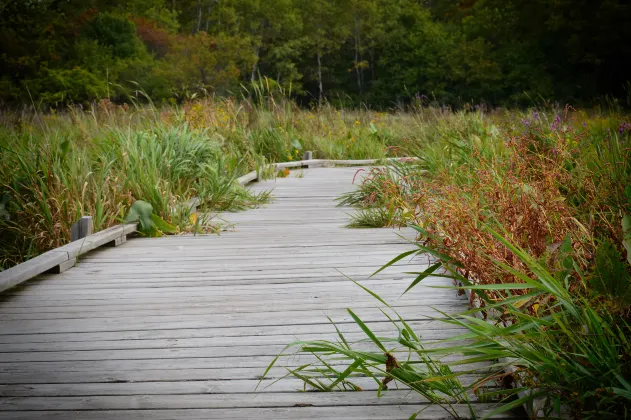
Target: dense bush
column 116, row 33
column 59, row 86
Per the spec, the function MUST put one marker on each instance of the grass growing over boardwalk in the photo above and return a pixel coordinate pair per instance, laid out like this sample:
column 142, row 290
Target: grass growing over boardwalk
column 532, row 214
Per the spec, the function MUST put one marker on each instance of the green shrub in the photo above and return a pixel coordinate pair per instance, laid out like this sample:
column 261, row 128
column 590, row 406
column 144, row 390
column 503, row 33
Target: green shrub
column 117, row 33
column 59, row 87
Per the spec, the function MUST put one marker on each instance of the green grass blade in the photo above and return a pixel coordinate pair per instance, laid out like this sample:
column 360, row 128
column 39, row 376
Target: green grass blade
column 423, row 275
column 395, row 260
column 367, row 330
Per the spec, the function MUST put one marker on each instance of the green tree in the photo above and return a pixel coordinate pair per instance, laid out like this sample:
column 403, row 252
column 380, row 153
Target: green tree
column 501, row 51
column 502, row 24
column 116, row 33
column 60, row 86
column 413, row 54
column 326, row 26
column 201, row 62
column 271, row 25
column 366, row 30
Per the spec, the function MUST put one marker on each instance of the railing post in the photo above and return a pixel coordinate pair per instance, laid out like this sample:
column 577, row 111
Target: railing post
column 82, row 228
column 308, row 156
column 79, row 230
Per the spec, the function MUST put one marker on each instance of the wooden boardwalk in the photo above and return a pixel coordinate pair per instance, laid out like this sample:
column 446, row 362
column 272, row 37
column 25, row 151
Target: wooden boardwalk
column 183, row 327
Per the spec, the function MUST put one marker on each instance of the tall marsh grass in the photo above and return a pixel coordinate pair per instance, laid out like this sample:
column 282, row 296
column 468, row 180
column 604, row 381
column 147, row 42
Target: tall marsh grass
column 531, row 212
column 57, row 166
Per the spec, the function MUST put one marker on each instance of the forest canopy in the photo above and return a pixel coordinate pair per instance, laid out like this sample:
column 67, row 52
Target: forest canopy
column 455, row 52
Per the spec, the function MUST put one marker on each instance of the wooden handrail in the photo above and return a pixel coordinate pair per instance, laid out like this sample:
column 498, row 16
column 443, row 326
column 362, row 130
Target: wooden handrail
column 254, row 175
column 65, row 257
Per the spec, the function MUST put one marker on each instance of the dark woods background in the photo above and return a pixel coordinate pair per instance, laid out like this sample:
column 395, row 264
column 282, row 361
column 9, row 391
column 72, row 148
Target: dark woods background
column 380, row 52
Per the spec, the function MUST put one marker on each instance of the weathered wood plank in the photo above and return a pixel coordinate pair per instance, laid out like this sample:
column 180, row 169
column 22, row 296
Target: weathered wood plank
column 62, row 258
column 22, row 272
column 288, row 319
column 183, row 327
column 254, row 307
column 378, row 286
column 197, row 300
column 217, row 351
column 190, row 401
column 295, row 413
column 136, row 375
column 187, row 342
column 251, row 333
column 209, row 386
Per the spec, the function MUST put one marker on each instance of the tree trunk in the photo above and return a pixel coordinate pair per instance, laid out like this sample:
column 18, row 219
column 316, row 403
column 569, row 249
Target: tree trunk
column 320, row 89
column 358, row 70
column 372, row 66
column 257, row 50
column 199, row 16
column 202, row 74
column 210, row 4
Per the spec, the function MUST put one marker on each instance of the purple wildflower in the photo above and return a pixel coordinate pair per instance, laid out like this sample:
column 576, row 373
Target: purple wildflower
column 624, row 127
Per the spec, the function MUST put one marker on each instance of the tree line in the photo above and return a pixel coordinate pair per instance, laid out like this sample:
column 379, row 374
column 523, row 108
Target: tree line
column 455, row 52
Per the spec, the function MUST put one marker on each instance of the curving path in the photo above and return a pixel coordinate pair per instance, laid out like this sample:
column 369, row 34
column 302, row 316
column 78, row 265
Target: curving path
column 183, row 327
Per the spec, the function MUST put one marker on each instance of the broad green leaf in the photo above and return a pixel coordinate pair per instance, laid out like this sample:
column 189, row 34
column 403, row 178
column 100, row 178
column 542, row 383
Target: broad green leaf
column 162, row 225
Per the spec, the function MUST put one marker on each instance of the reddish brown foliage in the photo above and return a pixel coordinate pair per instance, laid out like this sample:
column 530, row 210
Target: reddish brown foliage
column 155, row 38
column 83, row 19
column 519, row 196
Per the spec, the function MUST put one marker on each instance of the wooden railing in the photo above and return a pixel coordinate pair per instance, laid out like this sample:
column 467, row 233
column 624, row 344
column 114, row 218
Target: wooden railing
column 61, row 259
